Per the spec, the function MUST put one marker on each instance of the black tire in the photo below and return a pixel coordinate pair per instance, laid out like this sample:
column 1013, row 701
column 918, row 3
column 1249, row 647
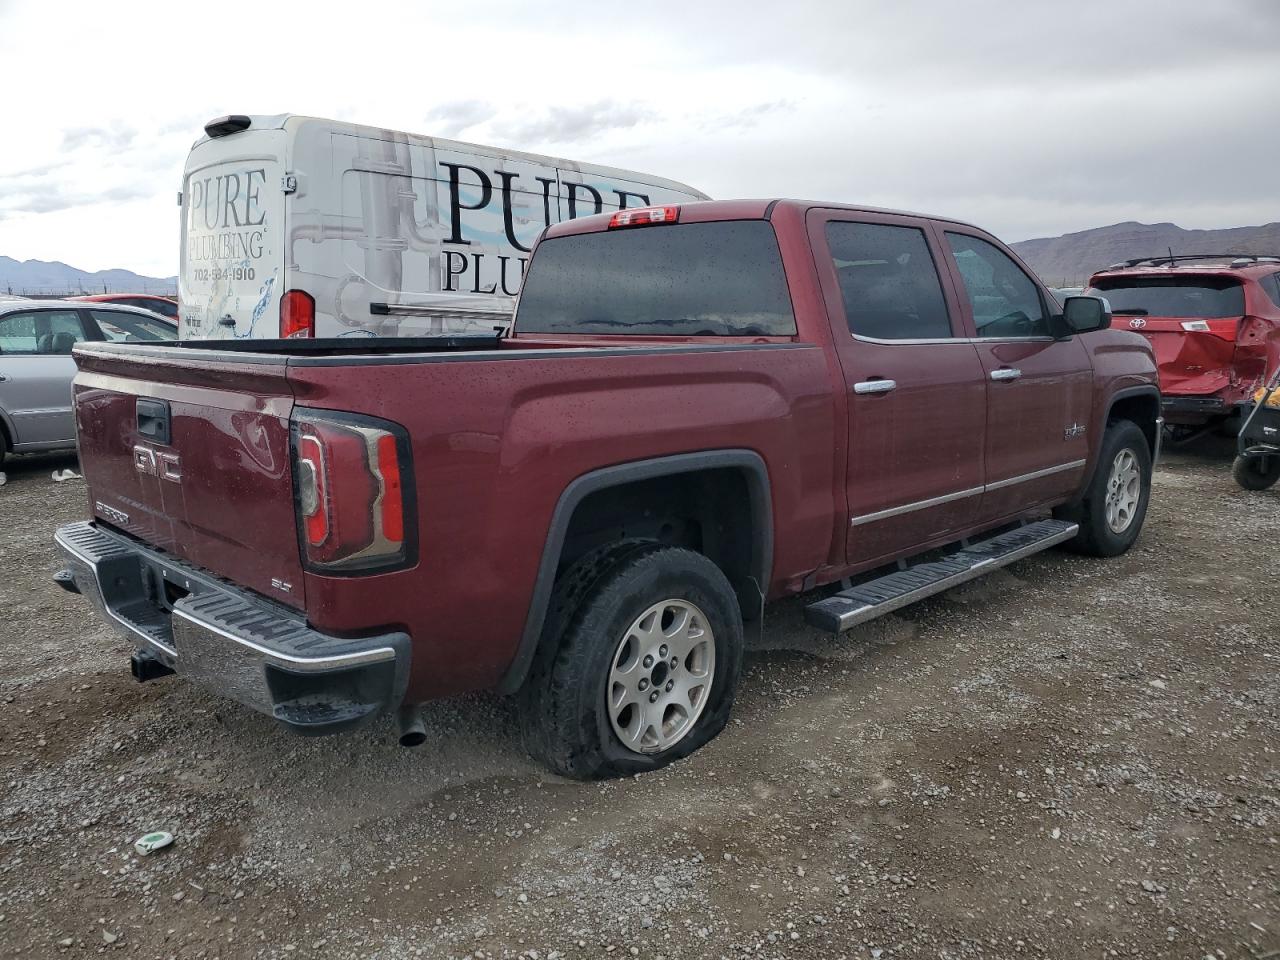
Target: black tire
column 4, row 446
column 1096, row 538
column 1257, row 472
column 566, row 722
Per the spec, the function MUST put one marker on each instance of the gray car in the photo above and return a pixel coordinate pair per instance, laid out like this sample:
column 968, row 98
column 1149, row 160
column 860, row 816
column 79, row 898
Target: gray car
column 36, row 367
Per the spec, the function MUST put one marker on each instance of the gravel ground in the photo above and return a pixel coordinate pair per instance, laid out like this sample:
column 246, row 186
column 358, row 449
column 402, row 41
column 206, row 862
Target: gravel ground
column 1069, row 758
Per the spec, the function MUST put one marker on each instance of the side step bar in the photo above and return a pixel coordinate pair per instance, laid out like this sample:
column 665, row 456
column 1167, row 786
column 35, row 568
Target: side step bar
column 872, row 599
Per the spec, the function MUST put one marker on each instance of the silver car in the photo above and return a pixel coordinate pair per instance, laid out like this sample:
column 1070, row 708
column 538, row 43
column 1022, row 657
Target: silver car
column 36, row 367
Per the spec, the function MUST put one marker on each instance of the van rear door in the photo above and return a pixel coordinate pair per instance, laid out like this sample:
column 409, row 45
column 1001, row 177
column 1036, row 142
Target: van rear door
column 233, row 237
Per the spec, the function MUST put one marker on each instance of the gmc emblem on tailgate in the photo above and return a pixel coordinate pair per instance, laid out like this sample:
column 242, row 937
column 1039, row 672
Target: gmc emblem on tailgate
column 166, row 466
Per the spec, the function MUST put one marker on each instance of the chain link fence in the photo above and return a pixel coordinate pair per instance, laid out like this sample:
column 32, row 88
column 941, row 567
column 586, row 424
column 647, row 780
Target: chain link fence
column 87, row 289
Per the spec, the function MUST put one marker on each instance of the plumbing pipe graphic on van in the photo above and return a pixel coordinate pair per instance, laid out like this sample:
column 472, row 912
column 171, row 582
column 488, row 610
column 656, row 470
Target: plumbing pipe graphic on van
column 387, row 233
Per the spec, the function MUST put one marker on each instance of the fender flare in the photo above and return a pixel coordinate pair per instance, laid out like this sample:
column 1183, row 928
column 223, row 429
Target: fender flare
column 1150, row 390
column 748, row 461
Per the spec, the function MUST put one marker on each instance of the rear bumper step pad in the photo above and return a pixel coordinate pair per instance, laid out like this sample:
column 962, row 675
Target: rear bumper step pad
column 230, row 640
column 872, row 599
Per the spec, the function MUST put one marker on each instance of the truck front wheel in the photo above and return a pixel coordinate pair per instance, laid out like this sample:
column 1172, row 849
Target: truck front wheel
column 1113, row 507
column 639, row 664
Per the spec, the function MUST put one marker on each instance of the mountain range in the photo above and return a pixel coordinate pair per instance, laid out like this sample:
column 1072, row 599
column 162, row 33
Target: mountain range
column 1065, row 261
column 53, row 277
column 1068, row 260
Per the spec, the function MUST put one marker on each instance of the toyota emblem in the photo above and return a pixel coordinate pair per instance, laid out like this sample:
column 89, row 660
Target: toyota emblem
column 1138, row 323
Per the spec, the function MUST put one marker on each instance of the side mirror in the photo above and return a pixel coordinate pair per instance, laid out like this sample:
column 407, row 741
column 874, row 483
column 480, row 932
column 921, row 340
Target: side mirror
column 1086, row 314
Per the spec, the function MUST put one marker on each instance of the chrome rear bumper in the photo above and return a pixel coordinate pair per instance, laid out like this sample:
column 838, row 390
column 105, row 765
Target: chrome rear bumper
column 232, row 641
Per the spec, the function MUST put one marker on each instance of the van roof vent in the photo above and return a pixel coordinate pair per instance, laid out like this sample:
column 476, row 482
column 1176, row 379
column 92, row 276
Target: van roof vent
column 225, row 125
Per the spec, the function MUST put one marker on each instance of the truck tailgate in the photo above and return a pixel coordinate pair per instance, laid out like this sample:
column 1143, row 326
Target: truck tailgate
column 215, row 488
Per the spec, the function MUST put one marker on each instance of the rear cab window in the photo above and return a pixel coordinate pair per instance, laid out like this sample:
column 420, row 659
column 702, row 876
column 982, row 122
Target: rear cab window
column 721, row 278
column 1180, row 297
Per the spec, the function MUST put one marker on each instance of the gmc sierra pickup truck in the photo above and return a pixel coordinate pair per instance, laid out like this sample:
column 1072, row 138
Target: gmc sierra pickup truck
column 695, row 410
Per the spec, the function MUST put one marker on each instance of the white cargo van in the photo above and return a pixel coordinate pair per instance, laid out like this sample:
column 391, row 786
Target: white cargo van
column 294, row 226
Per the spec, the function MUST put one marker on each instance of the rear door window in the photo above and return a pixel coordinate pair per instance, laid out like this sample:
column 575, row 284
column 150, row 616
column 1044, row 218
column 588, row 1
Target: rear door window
column 40, row 333
column 693, row 279
column 1006, row 302
column 119, row 326
column 888, row 281
column 1181, row 297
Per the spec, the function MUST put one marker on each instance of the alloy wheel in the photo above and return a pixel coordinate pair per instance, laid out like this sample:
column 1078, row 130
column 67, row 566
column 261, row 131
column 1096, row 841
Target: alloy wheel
column 1124, row 489
column 660, row 676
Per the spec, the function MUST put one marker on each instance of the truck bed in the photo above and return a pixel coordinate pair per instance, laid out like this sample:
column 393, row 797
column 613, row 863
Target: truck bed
column 498, row 430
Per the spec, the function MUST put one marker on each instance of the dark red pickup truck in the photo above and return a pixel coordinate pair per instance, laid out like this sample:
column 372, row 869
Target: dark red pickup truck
column 697, row 409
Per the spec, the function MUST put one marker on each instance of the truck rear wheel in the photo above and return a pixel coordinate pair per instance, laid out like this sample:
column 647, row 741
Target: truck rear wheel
column 639, row 665
column 1256, row 472
column 1115, row 504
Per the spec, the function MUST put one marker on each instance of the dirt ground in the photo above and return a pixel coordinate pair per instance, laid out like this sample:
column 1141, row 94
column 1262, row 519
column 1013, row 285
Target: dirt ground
column 1070, row 758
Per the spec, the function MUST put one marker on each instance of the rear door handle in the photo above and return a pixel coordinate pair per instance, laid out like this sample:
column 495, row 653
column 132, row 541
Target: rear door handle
column 875, row 386
column 1006, row 373
column 3, row 378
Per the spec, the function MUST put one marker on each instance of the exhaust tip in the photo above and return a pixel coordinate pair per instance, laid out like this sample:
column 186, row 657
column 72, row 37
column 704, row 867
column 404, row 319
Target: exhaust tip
column 413, row 732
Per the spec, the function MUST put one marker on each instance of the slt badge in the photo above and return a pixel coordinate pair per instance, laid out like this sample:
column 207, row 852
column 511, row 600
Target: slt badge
column 1073, row 431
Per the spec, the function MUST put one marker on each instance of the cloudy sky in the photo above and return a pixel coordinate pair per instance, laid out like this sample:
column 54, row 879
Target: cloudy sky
column 1029, row 118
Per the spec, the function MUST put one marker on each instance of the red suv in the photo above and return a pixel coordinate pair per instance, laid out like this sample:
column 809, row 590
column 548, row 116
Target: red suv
column 1211, row 320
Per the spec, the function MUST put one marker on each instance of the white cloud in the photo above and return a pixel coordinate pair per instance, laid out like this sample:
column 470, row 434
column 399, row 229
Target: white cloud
column 1030, row 119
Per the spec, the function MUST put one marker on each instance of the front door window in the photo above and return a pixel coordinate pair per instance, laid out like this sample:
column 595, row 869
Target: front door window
column 1005, row 301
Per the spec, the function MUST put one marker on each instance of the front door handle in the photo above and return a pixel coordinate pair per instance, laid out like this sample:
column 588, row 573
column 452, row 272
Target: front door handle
column 1006, row 373
column 3, row 378
column 875, row 386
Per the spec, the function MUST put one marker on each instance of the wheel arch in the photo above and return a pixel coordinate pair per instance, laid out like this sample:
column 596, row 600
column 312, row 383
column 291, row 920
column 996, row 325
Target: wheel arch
column 752, row 580
column 1141, row 406
column 8, row 437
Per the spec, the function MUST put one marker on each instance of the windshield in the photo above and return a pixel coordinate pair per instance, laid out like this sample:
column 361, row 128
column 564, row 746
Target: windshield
column 723, row 278
column 1183, row 297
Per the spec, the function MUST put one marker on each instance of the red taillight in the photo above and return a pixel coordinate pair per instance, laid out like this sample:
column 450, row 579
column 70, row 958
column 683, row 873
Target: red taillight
column 297, row 314
column 351, row 477
column 392, row 495
column 643, row 216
